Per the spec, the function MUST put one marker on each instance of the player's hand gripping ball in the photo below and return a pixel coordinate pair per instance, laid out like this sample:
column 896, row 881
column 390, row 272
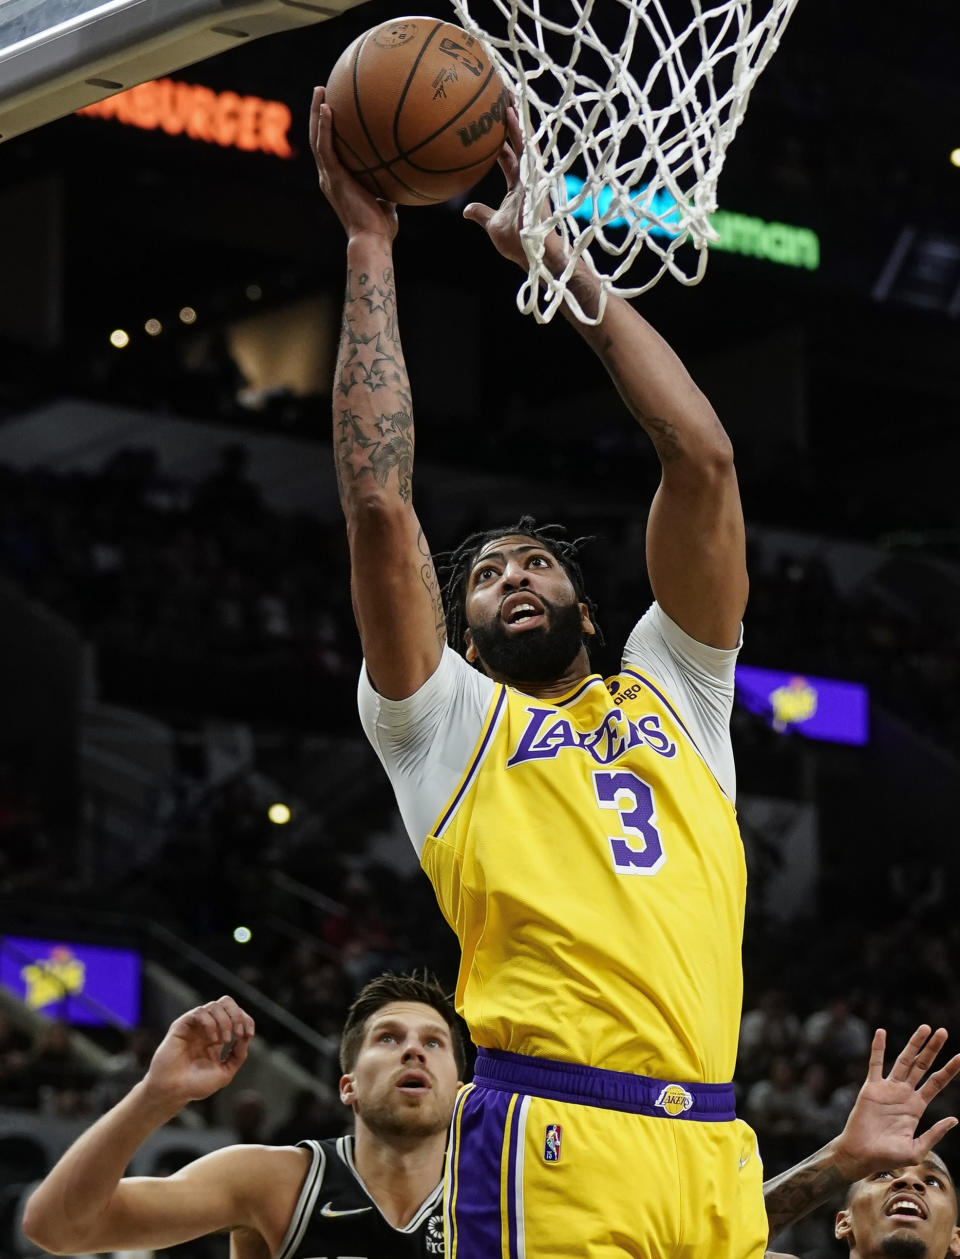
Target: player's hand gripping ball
column 419, row 112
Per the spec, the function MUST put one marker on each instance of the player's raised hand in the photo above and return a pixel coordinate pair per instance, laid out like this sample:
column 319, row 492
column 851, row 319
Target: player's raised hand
column 201, row 1052
column 503, row 224
column 880, row 1132
column 357, row 209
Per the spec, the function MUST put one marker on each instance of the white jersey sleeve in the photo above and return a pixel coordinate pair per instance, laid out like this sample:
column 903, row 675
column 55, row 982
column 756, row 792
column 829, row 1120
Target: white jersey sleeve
column 698, row 678
column 425, row 742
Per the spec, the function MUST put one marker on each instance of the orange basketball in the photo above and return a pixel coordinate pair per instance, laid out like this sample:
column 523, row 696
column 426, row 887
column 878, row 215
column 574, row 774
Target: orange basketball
column 419, row 113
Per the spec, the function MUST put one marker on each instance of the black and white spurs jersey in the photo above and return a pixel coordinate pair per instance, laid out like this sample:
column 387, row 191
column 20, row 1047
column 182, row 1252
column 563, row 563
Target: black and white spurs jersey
column 335, row 1217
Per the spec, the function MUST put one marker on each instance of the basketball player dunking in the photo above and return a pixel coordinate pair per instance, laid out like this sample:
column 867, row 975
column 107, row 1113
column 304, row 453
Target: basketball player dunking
column 579, row 832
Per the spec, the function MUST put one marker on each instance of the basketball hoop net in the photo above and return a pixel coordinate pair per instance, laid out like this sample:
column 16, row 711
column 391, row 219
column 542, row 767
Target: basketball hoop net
column 614, row 159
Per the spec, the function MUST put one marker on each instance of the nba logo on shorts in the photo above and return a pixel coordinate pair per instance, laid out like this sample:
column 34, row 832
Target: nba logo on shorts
column 674, row 1099
column 551, row 1143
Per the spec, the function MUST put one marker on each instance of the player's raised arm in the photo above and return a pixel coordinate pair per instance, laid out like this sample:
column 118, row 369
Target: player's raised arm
column 696, row 551
column 396, row 596
column 880, row 1132
column 85, row 1205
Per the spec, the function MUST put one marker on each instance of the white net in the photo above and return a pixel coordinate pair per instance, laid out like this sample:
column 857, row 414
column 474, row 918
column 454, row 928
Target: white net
column 627, row 108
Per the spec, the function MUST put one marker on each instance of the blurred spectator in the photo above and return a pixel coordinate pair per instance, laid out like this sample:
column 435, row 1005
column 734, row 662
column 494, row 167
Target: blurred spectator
column 248, row 1118
column 817, row 1115
column 836, row 1035
column 360, row 932
column 774, row 1109
column 61, row 1084
column 310, row 1117
column 16, row 1087
column 769, row 1030
column 212, row 606
column 124, row 1069
column 845, row 1094
column 14, row 1041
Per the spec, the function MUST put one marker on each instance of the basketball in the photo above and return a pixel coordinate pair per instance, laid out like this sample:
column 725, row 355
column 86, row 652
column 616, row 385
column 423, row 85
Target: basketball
column 419, row 112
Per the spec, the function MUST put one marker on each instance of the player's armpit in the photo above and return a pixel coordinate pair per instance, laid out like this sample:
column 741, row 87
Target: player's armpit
column 245, row 1243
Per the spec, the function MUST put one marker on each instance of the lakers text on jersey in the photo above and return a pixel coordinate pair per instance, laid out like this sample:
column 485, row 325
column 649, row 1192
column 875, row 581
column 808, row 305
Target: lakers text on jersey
column 592, row 869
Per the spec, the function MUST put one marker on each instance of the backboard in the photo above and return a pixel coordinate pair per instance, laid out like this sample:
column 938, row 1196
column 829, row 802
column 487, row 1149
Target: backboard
column 59, row 55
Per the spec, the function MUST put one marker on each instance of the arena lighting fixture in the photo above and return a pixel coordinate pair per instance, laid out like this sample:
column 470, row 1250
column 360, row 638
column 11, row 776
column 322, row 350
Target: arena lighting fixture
column 188, row 314
column 119, row 339
column 153, row 327
column 279, row 814
column 242, row 935
column 955, row 157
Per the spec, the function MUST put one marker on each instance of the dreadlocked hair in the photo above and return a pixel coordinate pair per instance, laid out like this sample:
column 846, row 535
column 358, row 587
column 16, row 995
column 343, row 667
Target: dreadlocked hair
column 455, row 567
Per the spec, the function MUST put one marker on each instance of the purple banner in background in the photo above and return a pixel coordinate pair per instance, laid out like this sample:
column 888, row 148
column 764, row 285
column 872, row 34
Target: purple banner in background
column 817, row 708
column 79, row 983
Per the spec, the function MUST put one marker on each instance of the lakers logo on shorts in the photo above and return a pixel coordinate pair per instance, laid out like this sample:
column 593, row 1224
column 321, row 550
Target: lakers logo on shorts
column 551, row 1143
column 674, row 1099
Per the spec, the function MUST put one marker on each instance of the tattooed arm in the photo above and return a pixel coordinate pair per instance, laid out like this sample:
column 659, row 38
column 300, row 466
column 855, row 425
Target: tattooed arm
column 696, row 553
column 396, row 596
column 880, row 1132
column 802, row 1188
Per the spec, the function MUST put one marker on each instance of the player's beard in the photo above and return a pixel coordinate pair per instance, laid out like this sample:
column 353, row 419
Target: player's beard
column 535, row 655
column 390, row 1120
column 904, row 1245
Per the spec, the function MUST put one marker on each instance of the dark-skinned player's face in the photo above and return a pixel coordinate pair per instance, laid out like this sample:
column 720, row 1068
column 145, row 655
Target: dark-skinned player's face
column 525, row 624
column 906, row 1213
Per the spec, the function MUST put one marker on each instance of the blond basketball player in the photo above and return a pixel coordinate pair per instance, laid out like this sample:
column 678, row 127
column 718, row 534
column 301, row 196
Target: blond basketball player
column 579, row 831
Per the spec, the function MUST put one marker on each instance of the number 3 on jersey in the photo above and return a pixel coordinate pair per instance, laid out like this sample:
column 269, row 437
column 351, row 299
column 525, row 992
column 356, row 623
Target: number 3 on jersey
column 633, row 800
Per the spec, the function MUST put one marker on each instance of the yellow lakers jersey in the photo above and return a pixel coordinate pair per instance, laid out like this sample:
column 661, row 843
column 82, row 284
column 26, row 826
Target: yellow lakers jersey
column 592, row 869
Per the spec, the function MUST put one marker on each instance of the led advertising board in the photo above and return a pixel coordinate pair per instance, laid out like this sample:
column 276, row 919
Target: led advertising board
column 79, row 983
column 817, row 708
